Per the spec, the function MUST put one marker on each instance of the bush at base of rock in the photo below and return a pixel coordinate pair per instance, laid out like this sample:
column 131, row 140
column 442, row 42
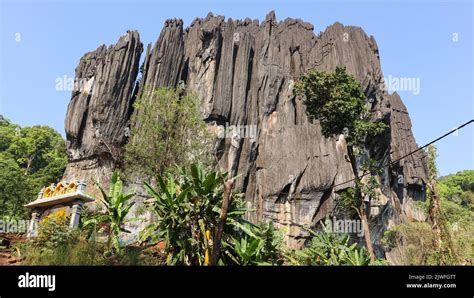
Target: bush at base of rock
column 54, row 230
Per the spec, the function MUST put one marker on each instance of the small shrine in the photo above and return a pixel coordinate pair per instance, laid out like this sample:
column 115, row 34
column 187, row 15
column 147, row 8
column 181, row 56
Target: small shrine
column 64, row 195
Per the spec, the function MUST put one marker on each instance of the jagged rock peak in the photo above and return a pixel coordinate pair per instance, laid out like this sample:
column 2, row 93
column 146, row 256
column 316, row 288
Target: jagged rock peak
column 101, row 104
column 243, row 72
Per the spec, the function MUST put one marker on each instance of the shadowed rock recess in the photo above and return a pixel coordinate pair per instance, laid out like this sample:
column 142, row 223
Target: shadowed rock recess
column 244, row 72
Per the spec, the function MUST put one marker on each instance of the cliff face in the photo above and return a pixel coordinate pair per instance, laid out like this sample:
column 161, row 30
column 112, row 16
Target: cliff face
column 244, row 72
column 101, row 103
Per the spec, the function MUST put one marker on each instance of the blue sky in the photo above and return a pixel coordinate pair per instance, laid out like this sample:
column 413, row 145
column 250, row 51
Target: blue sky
column 41, row 41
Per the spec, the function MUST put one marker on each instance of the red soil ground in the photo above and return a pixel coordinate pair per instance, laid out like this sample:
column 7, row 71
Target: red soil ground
column 7, row 244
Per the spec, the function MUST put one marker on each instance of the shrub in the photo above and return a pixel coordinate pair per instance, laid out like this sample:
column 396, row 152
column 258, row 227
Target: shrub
column 256, row 245
column 53, row 230
column 80, row 250
column 75, row 251
column 409, row 244
column 166, row 130
column 327, row 248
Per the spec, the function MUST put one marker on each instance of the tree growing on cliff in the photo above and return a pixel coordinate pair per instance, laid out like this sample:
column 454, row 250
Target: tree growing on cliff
column 337, row 101
column 166, row 130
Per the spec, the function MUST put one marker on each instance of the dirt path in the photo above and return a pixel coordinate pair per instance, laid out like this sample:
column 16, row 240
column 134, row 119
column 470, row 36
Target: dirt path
column 7, row 241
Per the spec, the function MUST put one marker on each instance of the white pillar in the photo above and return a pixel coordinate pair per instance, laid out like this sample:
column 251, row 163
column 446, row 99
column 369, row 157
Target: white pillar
column 32, row 228
column 75, row 214
column 81, row 186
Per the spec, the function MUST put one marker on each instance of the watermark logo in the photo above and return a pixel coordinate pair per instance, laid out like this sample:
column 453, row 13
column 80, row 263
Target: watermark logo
column 18, row 131
column 345, row 226
column 345, row 37
column 66, row 83
column 28, row 280
column 408, row 84
column 455, row 37
column 16, row 226
column 456, row 132
column 238, row 132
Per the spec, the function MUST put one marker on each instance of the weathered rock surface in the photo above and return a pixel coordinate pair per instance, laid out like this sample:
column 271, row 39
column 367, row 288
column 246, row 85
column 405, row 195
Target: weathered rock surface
column 244, row 72
column 101, row 104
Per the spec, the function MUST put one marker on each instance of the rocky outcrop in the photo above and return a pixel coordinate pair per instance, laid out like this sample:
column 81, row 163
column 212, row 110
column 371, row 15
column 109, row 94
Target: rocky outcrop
column 244, row 72
column 100, row 106
column 410, row 171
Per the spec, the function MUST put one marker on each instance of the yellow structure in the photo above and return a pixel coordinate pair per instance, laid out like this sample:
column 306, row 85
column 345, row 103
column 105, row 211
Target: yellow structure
column 71, row 195
column 60, row 189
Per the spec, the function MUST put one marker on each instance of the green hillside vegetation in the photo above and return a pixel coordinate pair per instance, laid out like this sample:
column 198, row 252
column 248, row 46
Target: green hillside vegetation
column 30, row 158
column 412, row 243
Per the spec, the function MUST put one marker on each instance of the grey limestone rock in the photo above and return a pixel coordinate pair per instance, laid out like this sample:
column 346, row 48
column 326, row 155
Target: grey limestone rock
column 244, row 72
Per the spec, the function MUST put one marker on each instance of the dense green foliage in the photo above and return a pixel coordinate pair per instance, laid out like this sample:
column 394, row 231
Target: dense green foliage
column 328, row 248
column 256, row 245
column 337, row 101
column 30, row 158
column 167, row 130
column 458, row 188
column 458, row 213
column 187, row 208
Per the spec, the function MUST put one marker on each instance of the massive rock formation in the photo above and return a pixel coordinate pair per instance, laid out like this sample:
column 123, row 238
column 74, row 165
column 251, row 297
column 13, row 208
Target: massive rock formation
column 244, row 72
column 101, row 103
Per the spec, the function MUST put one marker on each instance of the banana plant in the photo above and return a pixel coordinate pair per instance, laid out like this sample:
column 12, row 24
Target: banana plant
column 187, row 208
column 357, row 257
column 256, row 245
column 247, row 250
column 117, row 206
column 328, row 248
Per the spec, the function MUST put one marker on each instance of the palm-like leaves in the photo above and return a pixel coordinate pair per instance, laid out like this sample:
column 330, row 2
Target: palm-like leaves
column 186, row 207
column 117, row 205
column 328, row 248
column 246, row 251
column 256, row 245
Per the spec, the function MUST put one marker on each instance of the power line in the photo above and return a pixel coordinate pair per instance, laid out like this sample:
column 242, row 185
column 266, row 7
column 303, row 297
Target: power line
column 411, row 153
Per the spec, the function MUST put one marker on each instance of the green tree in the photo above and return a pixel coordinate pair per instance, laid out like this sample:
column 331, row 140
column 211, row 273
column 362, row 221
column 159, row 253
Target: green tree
column 337, row 101
column 30, row 158
column 458, row 188
column 14, row 188
column 167, row 130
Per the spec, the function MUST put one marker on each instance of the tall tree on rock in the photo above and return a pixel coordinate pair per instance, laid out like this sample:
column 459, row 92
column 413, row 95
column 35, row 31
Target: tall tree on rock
column 337, row 101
